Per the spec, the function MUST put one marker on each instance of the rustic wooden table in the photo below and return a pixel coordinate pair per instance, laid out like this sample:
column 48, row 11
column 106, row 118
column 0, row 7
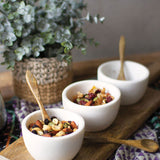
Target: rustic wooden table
column 129, row 118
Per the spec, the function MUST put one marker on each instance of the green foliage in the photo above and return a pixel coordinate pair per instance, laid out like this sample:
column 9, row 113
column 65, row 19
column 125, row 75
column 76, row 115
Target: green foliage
column 43, row 28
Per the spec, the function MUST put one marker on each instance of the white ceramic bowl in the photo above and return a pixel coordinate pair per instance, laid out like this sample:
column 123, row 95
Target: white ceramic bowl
column 96, row 117
column 49, row 148
column 134, row 87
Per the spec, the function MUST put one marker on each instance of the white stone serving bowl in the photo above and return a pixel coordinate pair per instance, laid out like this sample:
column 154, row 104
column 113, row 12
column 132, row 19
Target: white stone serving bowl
column 49, row 148
column 134, row 87
column 98, row 117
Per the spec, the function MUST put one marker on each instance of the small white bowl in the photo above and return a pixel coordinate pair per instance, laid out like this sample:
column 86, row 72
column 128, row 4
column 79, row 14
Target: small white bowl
column 49, row 148
column 134, row 87
column 98, row 117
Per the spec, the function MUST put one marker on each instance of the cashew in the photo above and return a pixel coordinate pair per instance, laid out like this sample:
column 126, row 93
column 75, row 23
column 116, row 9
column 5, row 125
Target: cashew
column 74, row 129
column 40, row 133
column 47, row 128
column 57, row 127
column 60, row 133
column 55, row 121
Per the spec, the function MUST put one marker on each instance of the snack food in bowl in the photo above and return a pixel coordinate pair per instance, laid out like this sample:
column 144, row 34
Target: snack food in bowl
column 53, row 128
column 134, row 87
column 94, row 97
column 97, row 117
column 61, row 147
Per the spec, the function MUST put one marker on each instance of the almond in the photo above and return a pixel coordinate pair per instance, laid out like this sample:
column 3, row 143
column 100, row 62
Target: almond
column 73, row 125
column 47, row 135
column 39, row 124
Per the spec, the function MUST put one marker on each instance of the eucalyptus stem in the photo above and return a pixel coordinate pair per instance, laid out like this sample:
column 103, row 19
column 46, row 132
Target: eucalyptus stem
column 26, row 1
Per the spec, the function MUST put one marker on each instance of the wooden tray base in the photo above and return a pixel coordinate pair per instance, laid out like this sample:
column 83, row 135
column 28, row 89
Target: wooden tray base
column 129, row 119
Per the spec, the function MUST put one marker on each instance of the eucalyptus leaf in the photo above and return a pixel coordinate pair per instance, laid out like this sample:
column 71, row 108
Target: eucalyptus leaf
column 1, row 28
column 21, row 10
column 27, row 18
column 43, row 28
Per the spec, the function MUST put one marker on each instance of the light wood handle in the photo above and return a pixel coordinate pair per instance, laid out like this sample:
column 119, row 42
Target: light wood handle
column 121, row 49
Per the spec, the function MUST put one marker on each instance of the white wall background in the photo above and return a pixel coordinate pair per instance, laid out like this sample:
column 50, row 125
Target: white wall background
column 137, row 20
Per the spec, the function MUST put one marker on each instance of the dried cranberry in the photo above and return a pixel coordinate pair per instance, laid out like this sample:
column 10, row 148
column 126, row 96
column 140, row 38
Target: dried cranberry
column 108, row 99
column 91, row 96
column 82, row 102
column 97, row 91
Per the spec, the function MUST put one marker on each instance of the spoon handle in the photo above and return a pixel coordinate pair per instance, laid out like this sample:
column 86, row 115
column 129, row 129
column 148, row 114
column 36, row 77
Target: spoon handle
column 32, row 83
column 121, row 49
column 144, row 144
column 121, row 75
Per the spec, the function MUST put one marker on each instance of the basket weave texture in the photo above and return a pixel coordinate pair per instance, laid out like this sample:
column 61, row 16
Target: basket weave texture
column 52, row 77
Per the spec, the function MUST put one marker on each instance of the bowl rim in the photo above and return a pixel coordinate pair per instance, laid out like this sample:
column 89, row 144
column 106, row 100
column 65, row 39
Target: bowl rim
column 64, row 94
column 79, row 130
column 101, row 66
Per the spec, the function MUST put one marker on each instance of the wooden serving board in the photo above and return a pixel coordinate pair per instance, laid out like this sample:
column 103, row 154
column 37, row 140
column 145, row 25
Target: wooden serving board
column 129, row 119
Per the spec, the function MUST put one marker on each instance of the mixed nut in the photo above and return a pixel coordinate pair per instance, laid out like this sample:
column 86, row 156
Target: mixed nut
column 94, row 97
column 53, row 128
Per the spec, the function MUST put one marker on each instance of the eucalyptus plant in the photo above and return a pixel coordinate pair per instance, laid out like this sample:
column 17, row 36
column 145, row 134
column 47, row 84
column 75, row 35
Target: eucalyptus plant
column 43, row 28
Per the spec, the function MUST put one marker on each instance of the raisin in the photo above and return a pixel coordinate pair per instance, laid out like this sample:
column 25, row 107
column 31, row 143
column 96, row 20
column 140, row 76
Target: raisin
column 34, row 131
column 34, row 126
column 46, row 121
column 53, row 117
column 45, row 132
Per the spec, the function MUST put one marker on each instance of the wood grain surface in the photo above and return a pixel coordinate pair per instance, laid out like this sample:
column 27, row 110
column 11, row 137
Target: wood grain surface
column 129, row 118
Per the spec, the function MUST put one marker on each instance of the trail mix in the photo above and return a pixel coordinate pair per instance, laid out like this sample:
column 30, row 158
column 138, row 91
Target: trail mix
column 53, row 128
column 94, row 97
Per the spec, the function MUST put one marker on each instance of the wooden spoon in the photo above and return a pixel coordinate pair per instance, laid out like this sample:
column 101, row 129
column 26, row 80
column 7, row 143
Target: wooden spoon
column 121, row 75
column 144, row 144
column 32, row 83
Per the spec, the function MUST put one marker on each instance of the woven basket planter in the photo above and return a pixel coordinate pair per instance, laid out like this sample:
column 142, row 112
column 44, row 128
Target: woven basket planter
column 52, row 77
